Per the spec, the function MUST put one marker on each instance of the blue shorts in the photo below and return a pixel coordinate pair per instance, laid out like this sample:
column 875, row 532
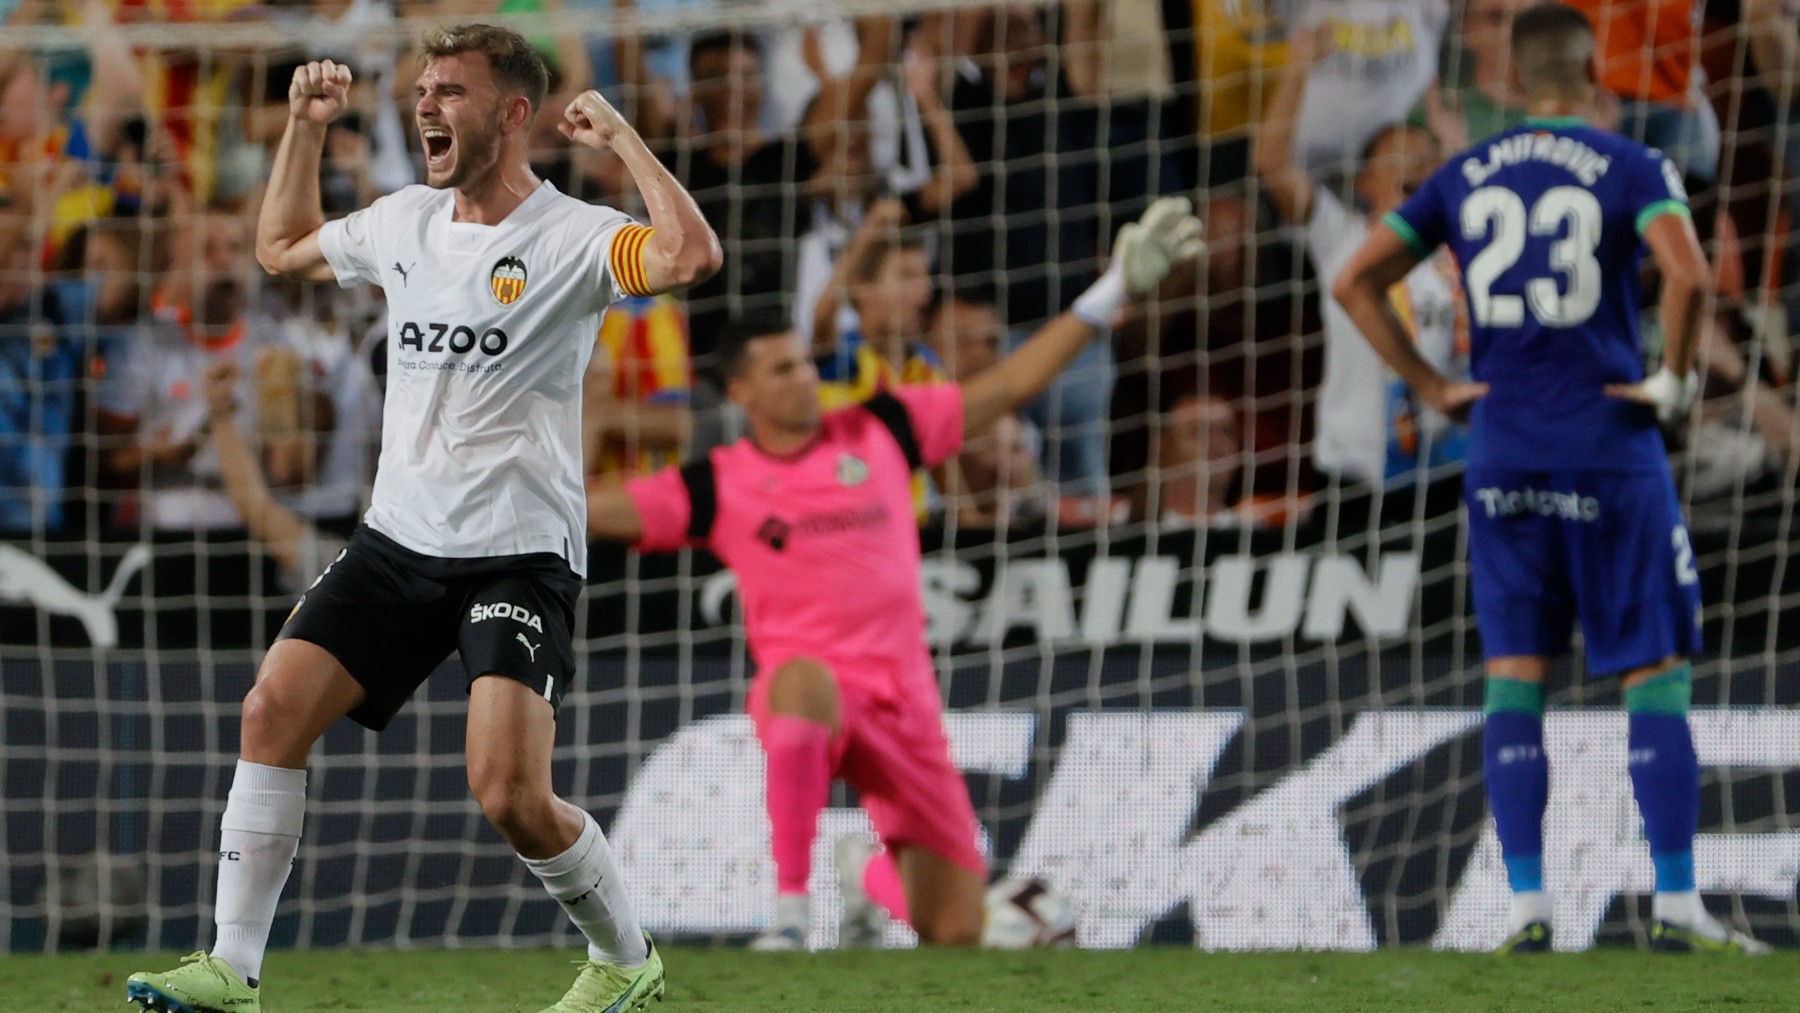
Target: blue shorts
column 1548, row 547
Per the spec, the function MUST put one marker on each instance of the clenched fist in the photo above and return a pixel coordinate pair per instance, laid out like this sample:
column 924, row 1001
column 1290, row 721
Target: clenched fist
column 592, row 120
column 320, row 92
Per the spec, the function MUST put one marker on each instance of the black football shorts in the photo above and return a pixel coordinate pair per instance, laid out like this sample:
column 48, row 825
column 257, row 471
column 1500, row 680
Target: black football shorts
column 391, row 616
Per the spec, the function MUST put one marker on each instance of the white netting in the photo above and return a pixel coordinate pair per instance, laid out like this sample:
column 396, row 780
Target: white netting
column 1213, row 691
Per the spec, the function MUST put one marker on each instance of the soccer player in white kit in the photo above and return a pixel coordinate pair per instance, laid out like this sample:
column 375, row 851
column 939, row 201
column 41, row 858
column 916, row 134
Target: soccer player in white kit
column 475, row 536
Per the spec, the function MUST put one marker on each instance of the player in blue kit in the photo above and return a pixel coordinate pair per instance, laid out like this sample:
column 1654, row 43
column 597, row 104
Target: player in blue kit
column 1571, row 505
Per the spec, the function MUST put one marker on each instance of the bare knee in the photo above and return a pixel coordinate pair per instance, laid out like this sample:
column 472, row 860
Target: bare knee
column 519, row 807
column 804, row 688
column 299, row 692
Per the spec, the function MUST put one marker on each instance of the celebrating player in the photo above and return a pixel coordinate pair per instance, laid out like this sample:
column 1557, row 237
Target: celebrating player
column 1571, row 506
column 814, row 512
column 474, row 538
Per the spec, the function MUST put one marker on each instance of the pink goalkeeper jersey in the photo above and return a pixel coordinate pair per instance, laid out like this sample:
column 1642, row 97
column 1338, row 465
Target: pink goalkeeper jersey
column 824, row 542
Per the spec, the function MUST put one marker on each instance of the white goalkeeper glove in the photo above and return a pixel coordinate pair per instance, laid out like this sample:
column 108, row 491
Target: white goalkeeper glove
column 1143, row 255
column 1662, row 390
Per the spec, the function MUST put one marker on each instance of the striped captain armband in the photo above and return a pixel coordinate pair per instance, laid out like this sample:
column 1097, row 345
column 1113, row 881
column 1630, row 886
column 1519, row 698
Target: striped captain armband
column 627, row 260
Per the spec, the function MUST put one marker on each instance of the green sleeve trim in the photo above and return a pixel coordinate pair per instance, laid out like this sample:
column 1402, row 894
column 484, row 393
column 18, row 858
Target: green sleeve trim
column 1669, row 206
column 1672, row 692
column 1405, row 231
column 1512, row 695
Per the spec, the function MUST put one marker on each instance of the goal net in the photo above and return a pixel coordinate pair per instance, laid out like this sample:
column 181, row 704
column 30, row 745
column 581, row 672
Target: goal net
column 1200, row 617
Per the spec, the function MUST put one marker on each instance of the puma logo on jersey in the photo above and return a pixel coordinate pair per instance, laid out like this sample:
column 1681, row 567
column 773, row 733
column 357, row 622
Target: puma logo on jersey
column 506, row 610
column 404, row 271
column 529, row 646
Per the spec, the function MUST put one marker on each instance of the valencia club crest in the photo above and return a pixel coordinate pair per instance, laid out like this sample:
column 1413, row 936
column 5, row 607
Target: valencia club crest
column 507, row 281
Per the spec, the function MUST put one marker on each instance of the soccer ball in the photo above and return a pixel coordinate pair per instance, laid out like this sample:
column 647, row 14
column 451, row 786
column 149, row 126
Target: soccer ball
column 1022, row 913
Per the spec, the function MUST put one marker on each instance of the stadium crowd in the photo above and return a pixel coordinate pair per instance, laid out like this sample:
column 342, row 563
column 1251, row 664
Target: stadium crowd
column 915, row 194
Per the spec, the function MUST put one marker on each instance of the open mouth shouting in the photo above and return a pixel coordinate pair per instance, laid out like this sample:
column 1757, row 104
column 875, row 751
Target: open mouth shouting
column 440, row 148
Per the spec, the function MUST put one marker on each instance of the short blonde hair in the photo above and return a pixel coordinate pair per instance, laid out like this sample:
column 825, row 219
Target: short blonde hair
column 516, row 65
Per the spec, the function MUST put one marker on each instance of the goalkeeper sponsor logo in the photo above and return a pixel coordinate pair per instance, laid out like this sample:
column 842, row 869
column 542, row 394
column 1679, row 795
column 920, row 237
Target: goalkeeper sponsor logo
column 1285, row 866
column 506, row 610
column 777, row 533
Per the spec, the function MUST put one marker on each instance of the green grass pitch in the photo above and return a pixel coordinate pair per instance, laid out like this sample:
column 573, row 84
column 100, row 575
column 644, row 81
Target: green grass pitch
column 497, row 981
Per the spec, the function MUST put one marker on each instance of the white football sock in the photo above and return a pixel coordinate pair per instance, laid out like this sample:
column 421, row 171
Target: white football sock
column 586, row 882
column 258, row 837
column 1530, row 906
column 793, row 910
column 1685, row 909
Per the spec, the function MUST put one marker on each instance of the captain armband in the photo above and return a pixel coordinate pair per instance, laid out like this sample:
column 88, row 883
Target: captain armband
column 627, row 260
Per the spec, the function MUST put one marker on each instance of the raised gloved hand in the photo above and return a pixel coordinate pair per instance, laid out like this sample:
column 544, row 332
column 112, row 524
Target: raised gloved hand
column 1143, row 255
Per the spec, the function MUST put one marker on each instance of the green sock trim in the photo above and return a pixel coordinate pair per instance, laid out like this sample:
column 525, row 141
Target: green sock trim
column 1672, row 692
column 1512, row 695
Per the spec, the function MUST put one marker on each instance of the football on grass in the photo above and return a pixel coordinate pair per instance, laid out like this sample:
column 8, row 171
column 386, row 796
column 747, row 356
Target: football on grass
column 1023, row 913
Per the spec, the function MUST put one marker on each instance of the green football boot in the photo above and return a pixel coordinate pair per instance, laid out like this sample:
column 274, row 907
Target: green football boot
column 202, row 984
column 609, row 988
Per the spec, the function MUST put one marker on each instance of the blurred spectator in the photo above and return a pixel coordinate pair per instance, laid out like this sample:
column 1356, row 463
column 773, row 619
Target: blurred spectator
column 996, row 476
column 884, row 277
column 743, row 179
column 1369, row 427
column 1199, row 475
column 352, row 32
column 1198, row 461
column 1749, row 52
column 317, row 404
column 1647, row 55
column 1115, row 55
column 60, row 124
column 967, row 333
column 301, row 552
column 1383, row 56
column 152, row 405
column 1746, row 430
column 637, row 394
column 1072, row 413
column 662, row 59
column 850, row 177
column 347, row 172
column 42, row 363
column 1479, row 99
column 994, row 482
column 1027, row 229
column 1239, row 47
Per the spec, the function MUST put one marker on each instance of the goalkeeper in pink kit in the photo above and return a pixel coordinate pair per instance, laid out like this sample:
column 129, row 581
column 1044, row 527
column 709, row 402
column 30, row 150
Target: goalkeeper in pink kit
column 814, row 513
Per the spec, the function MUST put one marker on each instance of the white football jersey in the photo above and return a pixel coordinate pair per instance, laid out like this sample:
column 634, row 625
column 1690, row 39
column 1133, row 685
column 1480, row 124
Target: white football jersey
column 490, row 328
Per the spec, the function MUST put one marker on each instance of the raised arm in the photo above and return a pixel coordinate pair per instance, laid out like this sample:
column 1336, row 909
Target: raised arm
column 287, row 229
column 1145, row 252
column 1081, row 48
column 1775, row 44
column 1286, row 182
column 883, row 218
column 118, row 88
column 276, row 527
column 682, row 249
column 955, row 174
column 1377, row 266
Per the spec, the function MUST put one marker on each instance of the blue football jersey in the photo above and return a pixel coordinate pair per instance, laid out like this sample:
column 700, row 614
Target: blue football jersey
column 1547, row 220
